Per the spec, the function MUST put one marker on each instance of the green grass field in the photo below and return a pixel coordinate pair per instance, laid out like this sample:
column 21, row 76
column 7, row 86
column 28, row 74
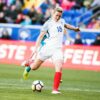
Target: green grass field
column 77, row 85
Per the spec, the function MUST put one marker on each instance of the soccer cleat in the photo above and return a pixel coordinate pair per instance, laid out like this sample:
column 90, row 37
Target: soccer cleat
column 61, row 81
column 25, row 74
column 55, row 92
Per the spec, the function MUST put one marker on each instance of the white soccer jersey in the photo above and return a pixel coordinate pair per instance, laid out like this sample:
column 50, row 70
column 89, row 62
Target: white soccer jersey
column 55, row 32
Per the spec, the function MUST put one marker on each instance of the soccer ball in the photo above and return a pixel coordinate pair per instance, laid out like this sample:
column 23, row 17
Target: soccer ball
column 37, row 85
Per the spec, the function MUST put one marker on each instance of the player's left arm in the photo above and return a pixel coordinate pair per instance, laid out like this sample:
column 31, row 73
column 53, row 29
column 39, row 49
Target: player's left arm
column 71, row 27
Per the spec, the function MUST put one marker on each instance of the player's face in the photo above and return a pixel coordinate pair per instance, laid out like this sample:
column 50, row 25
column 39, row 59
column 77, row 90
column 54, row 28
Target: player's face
column 57, row 15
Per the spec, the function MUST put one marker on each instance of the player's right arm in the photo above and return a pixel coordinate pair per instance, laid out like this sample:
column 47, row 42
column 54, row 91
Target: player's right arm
column 44, row 30
column 38, row 42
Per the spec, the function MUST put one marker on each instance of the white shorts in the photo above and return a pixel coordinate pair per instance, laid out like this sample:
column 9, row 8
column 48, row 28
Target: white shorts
column 53, row 53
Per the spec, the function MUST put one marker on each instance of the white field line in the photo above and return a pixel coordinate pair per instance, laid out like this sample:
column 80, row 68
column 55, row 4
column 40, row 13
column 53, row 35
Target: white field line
column 17, row 86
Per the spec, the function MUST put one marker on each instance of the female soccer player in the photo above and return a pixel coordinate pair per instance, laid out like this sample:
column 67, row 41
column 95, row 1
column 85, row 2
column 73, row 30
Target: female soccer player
column 52, row 46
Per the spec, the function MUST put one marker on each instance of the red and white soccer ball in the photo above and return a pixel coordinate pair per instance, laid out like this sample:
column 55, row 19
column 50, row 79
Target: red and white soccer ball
column 37, row 85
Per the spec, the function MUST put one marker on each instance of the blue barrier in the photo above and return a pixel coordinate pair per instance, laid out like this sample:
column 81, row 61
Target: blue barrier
column 19, row 32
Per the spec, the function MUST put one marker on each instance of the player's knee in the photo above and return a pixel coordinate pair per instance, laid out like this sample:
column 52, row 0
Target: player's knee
column 58, row 68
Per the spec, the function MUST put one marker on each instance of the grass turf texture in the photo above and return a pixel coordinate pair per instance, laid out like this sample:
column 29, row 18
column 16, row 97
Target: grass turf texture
column 77, row 85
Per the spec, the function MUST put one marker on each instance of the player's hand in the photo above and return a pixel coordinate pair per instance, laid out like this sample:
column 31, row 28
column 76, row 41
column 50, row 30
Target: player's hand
column 77, row 29
column 27, row 62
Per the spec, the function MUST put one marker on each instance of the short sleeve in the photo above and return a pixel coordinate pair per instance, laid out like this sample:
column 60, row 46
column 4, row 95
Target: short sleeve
column 45, row 27
column 63, row 21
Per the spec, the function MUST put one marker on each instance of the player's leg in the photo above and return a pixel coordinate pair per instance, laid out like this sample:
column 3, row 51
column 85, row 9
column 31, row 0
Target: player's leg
column 33, row 66
column 38, row 60
column 58, row 62
column 57, row 76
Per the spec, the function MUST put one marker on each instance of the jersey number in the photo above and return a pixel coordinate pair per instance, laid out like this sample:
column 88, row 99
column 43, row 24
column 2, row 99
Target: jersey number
column 59, row 28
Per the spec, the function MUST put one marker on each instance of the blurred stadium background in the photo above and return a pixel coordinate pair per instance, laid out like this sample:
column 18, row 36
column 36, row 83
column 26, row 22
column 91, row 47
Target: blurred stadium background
column 17, row 14
column 20, row 24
